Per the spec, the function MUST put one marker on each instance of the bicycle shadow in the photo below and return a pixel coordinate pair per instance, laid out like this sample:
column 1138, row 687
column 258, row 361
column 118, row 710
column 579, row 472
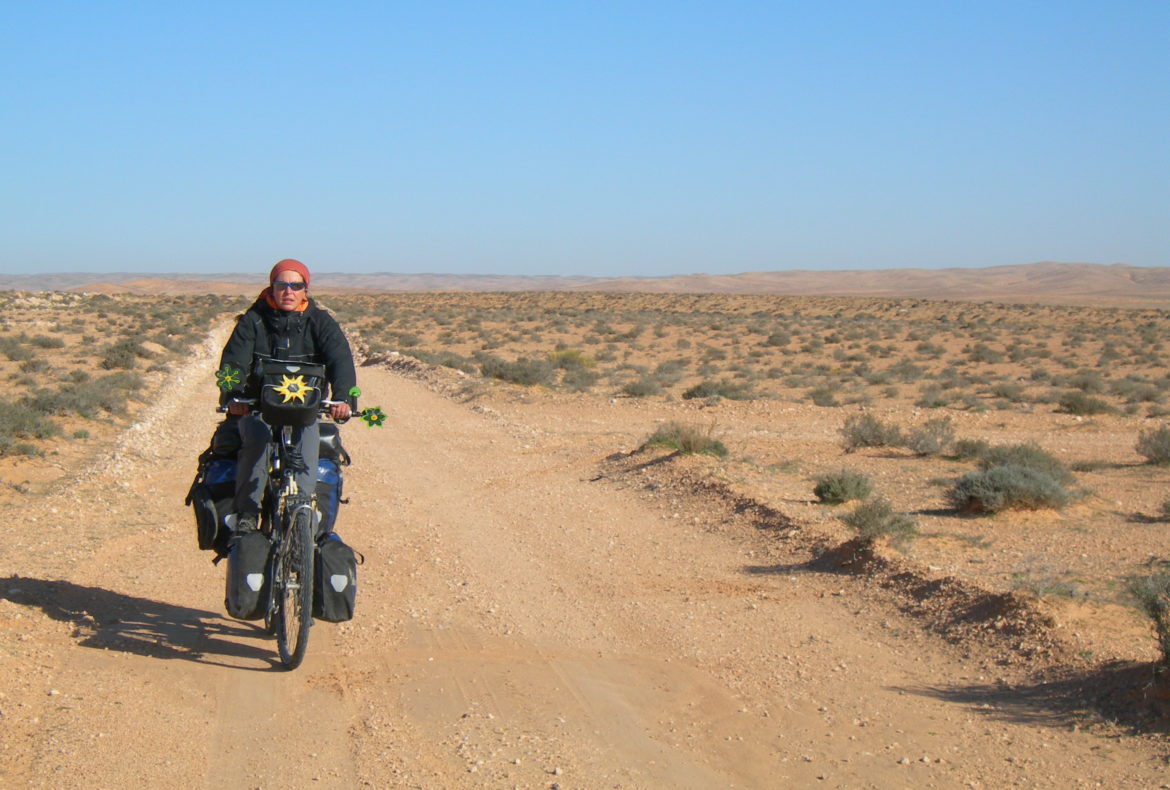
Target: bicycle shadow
column 108, row 620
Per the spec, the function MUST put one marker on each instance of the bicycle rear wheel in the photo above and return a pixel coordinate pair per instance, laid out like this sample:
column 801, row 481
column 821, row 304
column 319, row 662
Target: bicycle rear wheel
column 294, row 605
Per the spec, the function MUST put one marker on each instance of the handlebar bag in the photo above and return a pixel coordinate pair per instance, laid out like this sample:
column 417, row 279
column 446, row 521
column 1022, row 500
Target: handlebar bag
column 291, row 392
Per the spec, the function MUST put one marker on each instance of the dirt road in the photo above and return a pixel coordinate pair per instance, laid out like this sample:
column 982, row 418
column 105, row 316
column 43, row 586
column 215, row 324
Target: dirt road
column 524, row 620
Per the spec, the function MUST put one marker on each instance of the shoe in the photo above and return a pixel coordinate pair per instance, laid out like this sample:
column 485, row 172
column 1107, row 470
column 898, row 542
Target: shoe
column 247, row 522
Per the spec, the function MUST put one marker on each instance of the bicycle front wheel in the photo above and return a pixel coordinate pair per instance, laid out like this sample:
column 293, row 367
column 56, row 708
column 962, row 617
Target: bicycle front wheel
column 294, row 609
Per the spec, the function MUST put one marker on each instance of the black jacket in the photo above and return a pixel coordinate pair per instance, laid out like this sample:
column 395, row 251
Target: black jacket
column 311, row 335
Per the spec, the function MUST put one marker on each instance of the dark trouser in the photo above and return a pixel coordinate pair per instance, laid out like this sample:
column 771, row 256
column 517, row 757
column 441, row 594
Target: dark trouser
column 252, row 461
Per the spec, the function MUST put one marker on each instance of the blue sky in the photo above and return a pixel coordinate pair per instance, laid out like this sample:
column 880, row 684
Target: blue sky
column 597, row 138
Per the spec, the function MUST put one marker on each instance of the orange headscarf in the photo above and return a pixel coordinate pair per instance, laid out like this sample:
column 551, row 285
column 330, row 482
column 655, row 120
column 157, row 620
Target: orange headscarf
column 286, row 265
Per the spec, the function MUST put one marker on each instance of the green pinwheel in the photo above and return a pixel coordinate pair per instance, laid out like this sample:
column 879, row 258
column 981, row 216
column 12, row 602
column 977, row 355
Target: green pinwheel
column 227, row 378
column 374, row 417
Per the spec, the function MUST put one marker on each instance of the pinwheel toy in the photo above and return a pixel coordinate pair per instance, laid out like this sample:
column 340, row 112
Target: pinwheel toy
column 227, row 378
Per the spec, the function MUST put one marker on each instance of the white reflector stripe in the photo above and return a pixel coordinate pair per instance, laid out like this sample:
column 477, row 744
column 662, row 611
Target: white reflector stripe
column 255, row 581
column 338, row 581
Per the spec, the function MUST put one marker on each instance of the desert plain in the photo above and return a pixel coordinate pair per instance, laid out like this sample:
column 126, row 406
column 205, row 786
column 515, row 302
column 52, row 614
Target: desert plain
column 550, row 600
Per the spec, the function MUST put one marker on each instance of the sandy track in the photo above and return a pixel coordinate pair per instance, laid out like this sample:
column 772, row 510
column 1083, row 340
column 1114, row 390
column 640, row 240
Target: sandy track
column 521, row 622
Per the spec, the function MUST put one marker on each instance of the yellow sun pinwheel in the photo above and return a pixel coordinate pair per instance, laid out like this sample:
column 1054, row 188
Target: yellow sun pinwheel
column 293, row 389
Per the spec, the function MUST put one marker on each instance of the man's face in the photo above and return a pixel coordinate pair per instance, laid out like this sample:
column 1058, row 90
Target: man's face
column 288, row 298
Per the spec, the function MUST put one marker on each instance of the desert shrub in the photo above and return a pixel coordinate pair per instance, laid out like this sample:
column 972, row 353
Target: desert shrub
column 1079, row 402
column 122, row 380
column 983, row 353
column 865, row 430
column 19, row 421
column 1028, row 455
column 1008, row 390
column 1135, row 389
column 447, row 359
column 44, row 341
column 686, row 439
column 13, row 348
column 641, row 388
column 842, row 486
column 928, row 349
column 11, row 447
column 524, row 371
column 1154, row 445
column 579, row 379
column 932, row 437
column 122, row 354
column 719, row 389
column 1086, row 381
column 1007, row 487
column 1152, row 594
column 87, row 399
column 875, row 518
column 670, row 372
column 905, row 370
column 35, row 365
column 571, row 358
column 823, row 396
column 932, row 396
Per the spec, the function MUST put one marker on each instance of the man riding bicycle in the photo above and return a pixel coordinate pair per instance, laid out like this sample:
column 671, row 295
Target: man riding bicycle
column 285, row 324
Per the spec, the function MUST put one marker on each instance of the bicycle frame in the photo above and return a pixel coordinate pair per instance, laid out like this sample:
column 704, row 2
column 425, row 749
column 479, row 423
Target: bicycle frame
column 280, row 480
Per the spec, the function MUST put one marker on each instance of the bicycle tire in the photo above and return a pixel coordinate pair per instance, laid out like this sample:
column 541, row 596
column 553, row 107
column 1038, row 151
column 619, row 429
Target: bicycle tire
column 294, row 606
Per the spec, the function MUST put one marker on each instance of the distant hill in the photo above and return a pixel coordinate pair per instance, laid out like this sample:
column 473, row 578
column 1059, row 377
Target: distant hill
column 1059, row 283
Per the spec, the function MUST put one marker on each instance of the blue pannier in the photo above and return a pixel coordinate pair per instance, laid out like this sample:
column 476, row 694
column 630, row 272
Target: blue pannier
column 329, row 485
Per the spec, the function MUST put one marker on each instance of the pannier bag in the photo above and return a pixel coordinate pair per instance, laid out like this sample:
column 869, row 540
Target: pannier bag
column 290, row 392
column 210, row 496
column 247, row 575
column 330, row 444
column 335, row 588
column 329, row 485
column 330, row 482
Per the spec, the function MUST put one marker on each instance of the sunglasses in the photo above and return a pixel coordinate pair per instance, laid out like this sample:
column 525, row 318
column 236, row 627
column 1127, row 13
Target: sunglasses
column 278, row 285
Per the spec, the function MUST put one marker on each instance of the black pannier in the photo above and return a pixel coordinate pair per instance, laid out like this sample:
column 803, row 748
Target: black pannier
column 330, row 446
column 210, row 496
column 247, row 575
column 290, row 392
column 335, row 588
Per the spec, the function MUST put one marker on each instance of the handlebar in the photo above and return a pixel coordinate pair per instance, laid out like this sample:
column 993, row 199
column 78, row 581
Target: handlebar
column 323, row 409
column 372, row 416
